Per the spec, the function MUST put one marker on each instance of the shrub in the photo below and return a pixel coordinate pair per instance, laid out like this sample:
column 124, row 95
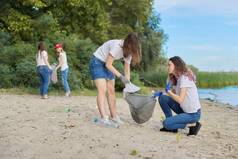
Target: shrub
column 12, row 55
column 155, row 77
column 6, row 76
column 26, row 74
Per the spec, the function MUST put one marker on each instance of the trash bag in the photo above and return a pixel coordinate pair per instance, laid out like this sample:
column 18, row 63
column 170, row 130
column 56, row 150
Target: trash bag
column 53, row 77
column 141, row 106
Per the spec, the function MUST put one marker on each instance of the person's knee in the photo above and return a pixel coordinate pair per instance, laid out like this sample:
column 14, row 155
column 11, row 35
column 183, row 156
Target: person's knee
column 167, row 124
column 102, row 90
column 163, row 99
column 111, row 92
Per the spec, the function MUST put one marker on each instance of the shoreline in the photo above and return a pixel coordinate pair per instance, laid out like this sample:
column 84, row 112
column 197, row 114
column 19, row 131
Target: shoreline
column 219, row 104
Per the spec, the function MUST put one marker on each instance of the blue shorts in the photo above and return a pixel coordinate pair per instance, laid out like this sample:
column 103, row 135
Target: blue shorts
column 98, row 69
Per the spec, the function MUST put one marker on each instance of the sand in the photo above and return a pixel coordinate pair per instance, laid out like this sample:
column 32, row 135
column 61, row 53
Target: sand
column 63, row 128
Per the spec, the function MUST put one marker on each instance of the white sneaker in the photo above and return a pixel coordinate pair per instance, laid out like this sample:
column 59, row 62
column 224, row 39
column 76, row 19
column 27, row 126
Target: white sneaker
column 67, row 94
column 117, row 120
column 105, row 122
column 45, row 96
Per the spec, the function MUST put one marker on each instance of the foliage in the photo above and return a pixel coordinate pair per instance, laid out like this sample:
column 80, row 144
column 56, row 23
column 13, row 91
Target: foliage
column 155, row 78
column 81, row 26
column 152, row 41
column 26, row 73
column 6, row 76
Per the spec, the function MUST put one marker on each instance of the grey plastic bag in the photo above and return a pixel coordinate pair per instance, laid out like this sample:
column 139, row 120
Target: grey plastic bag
column 141, row 106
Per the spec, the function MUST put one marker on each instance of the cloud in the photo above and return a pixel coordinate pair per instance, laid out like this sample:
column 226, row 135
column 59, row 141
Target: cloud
column 218, row 7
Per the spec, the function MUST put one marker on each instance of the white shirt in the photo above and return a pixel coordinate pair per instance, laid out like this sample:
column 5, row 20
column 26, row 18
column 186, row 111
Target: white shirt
column 191, row 102
column 64, row 61
column 39, row 58
column 114, row 47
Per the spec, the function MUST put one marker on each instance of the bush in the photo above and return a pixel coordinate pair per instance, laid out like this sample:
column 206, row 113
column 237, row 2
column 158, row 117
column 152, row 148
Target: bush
column 84, row 51
column 5, row 39
column 26, row 74
column 12, row 55
column 6, row 76
column 155, row 78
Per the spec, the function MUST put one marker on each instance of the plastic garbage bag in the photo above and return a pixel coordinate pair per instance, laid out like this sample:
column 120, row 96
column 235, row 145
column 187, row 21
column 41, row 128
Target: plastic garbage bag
column 53, row 77
column 141, row 106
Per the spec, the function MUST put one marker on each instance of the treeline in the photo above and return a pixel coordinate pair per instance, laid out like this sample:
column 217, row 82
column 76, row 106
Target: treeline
column 81, row 26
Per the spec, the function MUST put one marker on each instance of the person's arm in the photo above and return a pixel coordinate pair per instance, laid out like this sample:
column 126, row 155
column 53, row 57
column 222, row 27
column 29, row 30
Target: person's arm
column 60, row 62
column 109, row 62
column 178, row 98
column 127, row 70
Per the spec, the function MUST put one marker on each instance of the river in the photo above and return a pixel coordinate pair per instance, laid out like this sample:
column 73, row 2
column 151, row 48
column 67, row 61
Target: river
column 227, row 95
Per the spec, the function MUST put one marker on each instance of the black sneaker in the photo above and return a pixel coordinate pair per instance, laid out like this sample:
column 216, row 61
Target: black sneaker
column 166, row 130
column 193, row 130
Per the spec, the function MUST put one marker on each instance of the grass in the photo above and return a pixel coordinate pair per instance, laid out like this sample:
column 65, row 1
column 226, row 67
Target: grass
column 204, row 79
column 217, row 79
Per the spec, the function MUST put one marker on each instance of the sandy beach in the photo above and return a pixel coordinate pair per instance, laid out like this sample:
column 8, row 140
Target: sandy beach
column 63, row 128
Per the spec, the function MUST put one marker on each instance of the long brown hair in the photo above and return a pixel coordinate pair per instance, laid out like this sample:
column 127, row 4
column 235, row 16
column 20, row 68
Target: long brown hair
column 41, row 46
column 131, row 47
column 180, row 69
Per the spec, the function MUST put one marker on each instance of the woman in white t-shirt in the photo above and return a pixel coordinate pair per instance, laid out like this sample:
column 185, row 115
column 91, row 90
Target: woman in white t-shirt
column 63, row 65
column 183, row 99
column 103, row 72
column 44, row 69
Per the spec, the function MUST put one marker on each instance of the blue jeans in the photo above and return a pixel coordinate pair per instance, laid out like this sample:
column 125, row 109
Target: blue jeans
column 44, row 74
column 98, row 69
column 64, row 76
column 177, row 121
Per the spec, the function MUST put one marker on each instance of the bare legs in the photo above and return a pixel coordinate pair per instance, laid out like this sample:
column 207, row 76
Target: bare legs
column 106, row 86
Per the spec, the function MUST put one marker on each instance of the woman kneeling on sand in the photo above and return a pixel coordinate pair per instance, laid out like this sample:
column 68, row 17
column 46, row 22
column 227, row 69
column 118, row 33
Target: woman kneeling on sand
column 183, row 100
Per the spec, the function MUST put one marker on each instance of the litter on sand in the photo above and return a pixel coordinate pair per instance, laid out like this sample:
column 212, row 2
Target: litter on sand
column 105, row 123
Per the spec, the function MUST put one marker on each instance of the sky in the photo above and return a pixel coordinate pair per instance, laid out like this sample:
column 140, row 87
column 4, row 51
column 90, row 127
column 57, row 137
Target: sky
column 202, row 32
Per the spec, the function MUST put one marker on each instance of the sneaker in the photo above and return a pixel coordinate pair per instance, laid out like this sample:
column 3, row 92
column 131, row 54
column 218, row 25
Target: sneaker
column 167, row 130
column 117, row 120
column 45, row 97
column 105, row 122
column 193, row 130
column 67, row 94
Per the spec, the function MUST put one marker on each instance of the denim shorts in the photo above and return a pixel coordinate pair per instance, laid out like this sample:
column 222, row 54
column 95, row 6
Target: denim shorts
column 98, row 69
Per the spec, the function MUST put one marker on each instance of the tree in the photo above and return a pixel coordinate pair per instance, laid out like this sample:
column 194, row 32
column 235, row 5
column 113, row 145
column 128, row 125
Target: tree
column 152, row 40
column 128, row 16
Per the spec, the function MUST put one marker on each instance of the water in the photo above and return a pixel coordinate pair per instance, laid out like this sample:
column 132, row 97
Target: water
column 227, row 95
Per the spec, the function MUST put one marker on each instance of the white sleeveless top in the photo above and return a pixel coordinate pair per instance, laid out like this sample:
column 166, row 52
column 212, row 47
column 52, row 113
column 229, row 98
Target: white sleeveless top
column 39, row 58
column 64, row 60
